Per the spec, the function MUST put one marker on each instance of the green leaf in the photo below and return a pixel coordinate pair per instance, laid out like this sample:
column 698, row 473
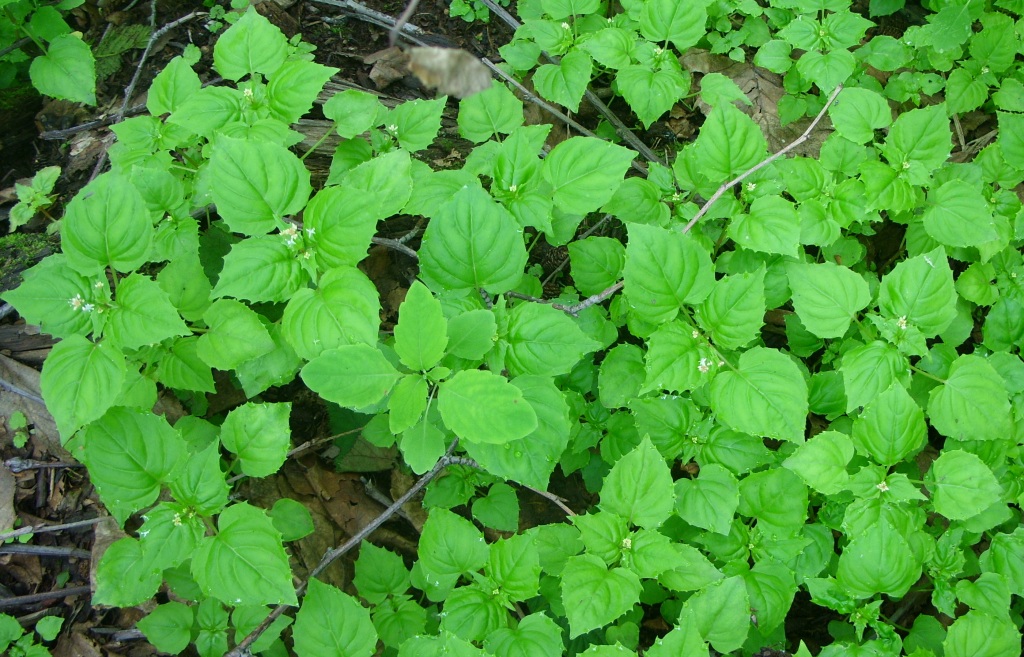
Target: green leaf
column 919, row 141
column 353, row 112
column 664, row 270
column 536, row 635
column 343, row 310
column 721, row 613
column 716, row 88
column 379, row 573
column 958, row 215
column 891, row 428
column 564, row 83
column 827, row 297
column 171, row 87
column 131, row 453
column 124, row 578
column 406, row 405
column 514, row 565
column 920, row 291
column 559, row 9
column 472, row 613
column 450, row 545
column 255, row 184
column 244, row 563
column 870, row 369
column 201, row 483
column 777, row 498
column 827, row 70
column 593, row 595
column 864, row 574
column 584, row 173
column 962, row 485
column 208, row 110
column 422, row 445
column 107, row 225
column 709, row 501
column 821, row 462
column 734, row 311
column 544, row 341
column 421, row 334
column 142, row 314
column 444, row 645
column 770, row 589
column 182, row 368
column 471, row 334
column 680, row 23
column 765, row 396
column 417, row 122
column 67, row 70
column 596, row 263
column 247, row 618
column 499, row 509
column 265, row 268
column 168, row 627
column 235, row 335
column 972, row 404
column 678, row 359
column 612, row 47
column 772, row 226
column 252, row 45
column 651, row 93
column 54, row 296
column 80, row 381
column 639, row 487
column 492, row 112
column 729, row 143
column 621, row 375
column 472, row 243
column 170, row 534
column 354, row 376
column 294, row 87
column 259, row 434
column 964, row 92
column 978, row 634
column 483, row 407
column 531, row 459
column 331, row 622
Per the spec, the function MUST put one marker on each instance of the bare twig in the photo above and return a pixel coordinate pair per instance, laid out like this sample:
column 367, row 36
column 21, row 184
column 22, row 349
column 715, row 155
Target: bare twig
column 18, row 464
column 19, row 391
column 242, row 648
column 153, row 38
column 43, row 529
column 401, row 21
column 589, row 301
column 46, row 551
column 558, row 501
column 396, row 245
column 24, row 600
column 763, row 163
column 24, row 41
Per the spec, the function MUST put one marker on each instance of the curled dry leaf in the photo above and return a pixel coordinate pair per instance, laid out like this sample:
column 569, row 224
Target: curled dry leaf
column 452, row 71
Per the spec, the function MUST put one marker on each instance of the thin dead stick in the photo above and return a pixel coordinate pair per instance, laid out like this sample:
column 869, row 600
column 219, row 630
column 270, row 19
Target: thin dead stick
column 760, row 165
column 18, row 464
column 396, row 245
column 589, row 301
column 46, row 551
column 24, row 600
column 43, row 529
column 242, row 648
column 401, row 21
column 154, row 37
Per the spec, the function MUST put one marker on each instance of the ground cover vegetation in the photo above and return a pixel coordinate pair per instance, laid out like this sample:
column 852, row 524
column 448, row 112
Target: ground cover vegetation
column 862, row 452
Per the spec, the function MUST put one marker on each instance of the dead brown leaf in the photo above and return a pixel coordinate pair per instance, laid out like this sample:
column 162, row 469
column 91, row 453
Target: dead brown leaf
column 452, row 71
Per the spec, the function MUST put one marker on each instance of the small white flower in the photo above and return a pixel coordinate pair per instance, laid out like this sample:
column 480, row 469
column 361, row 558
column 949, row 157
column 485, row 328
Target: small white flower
column 704, row 366
column 76, row 302
column 177, row 520
column 902, row 322
column 98, row 285
column 627, row 543
column 248, row 94
column 311, row 231
column 751, row 186
column 306, row 255
column 984, row 70
column 882, row 486
column 513, row 188
column 88, row 308
column 392, row 128
column 565, row 26
column 695, row 334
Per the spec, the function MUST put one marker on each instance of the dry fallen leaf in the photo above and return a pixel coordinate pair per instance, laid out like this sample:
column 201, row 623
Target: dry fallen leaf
column 452, row 71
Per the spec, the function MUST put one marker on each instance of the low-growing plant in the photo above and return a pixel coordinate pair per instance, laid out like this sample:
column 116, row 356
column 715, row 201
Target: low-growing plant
column 862, row 449
column 15, row 642
column 66, row 68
